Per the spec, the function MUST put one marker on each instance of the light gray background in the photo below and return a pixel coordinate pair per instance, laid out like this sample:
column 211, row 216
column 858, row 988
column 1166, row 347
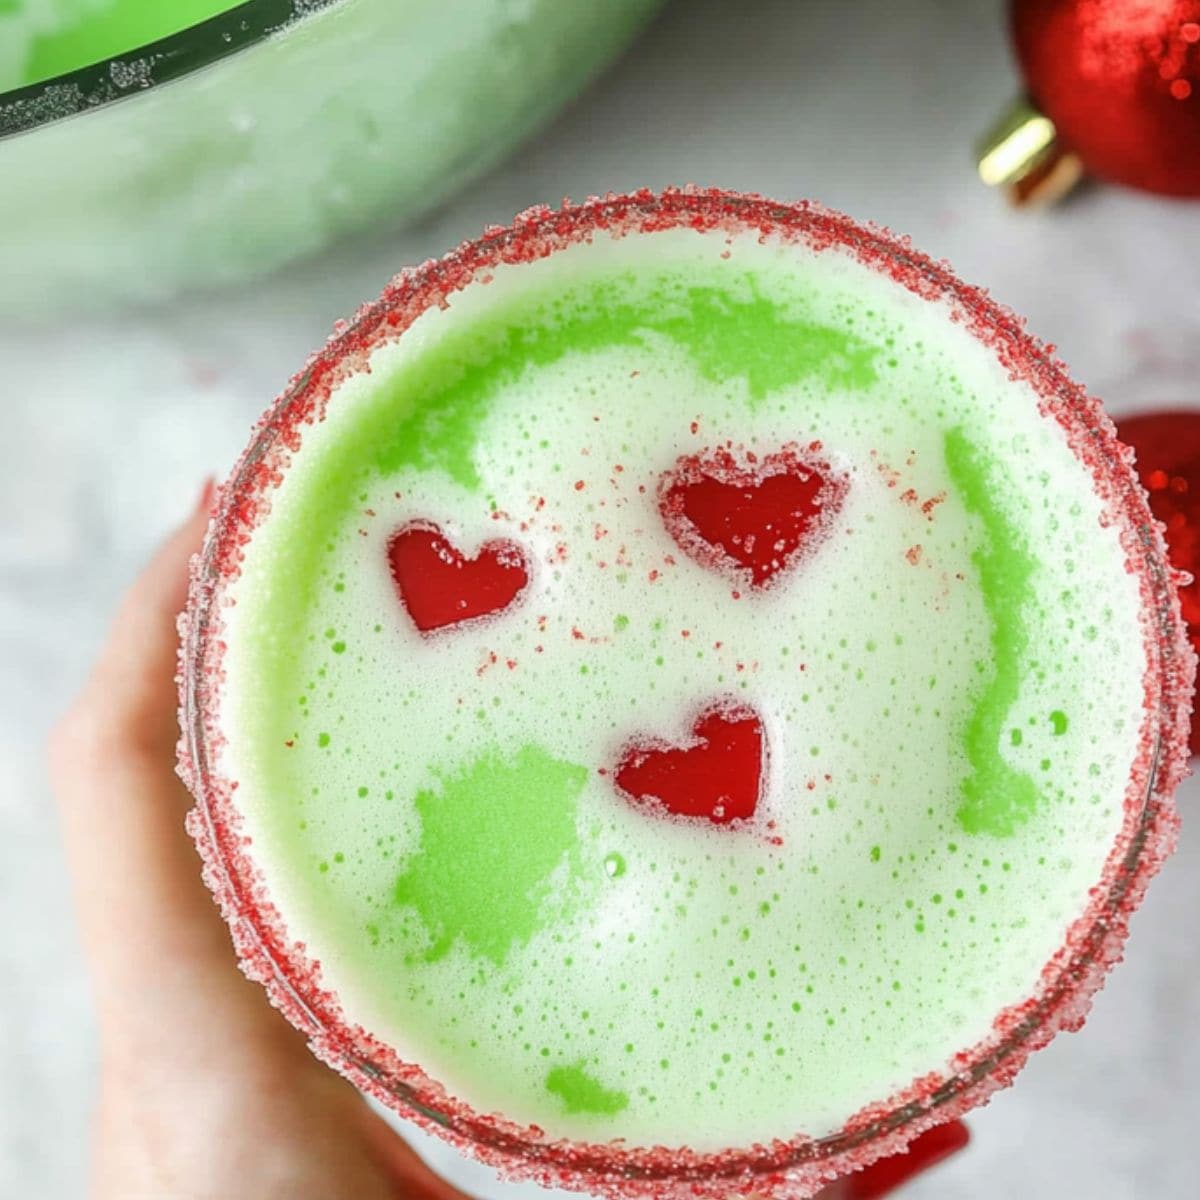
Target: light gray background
column 871, row 107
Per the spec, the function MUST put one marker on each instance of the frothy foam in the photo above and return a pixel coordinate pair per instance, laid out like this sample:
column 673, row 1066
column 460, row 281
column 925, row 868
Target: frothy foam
column 436, row 815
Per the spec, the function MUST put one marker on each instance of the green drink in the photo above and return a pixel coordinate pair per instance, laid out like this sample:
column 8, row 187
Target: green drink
column 255, row 138
column 695, row 697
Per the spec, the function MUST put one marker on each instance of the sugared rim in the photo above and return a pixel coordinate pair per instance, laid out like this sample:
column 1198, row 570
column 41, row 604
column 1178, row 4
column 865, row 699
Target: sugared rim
column 798, row 1167
column 143, row 68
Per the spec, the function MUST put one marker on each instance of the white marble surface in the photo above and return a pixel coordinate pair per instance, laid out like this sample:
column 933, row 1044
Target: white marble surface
column 871, row 107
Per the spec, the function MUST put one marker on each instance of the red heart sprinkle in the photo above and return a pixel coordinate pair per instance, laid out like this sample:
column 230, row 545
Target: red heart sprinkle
column 717, row 775
column 751, row 518
column 440, row 586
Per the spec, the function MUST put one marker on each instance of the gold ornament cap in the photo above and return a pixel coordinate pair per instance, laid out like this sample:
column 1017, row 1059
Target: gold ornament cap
column 1020, row 155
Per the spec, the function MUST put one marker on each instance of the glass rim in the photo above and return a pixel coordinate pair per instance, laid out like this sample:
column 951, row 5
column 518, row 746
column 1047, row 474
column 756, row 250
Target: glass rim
column 145, row 68
column 798, row 1167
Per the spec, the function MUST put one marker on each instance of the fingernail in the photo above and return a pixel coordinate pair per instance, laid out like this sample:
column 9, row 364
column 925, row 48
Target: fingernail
column 207, row 493
column 882, row 1178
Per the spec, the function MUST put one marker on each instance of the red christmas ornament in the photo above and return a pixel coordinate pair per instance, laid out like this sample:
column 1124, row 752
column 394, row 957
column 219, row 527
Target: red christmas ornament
column 1168, row 462
column 1113, row 90
column 884, row 1177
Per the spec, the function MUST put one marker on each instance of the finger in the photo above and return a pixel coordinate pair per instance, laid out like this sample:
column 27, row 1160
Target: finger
column 150, row 928
column 134, row 677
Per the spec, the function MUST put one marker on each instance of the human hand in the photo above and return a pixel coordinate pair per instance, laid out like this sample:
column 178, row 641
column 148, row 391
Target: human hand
column 206, row 1093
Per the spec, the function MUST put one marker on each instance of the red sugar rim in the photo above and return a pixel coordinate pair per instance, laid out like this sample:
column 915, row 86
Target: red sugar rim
column 794, row 1168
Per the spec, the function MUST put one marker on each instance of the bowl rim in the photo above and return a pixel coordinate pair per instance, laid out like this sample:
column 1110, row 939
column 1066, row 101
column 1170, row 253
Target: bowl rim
column 142, row 69
column 787, row 1168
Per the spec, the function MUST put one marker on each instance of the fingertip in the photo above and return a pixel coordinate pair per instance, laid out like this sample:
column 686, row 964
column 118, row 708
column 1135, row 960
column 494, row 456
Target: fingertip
column 188, row 537
column 136, row 669
column 164, row 580
column 208, row 493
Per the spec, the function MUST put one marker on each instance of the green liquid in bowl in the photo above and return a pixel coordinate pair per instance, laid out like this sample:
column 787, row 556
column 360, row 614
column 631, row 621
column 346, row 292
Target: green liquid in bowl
column 349, row 115
column 40, row 39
